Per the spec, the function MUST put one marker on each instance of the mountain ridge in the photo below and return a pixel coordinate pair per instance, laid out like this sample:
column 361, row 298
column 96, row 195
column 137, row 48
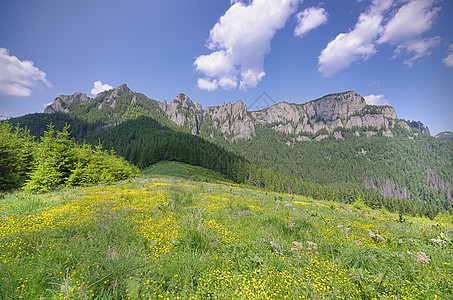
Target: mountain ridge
column 317, row 119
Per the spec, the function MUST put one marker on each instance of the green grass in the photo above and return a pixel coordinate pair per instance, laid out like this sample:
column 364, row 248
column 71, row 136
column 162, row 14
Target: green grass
column 167, row 237
column 182, row 170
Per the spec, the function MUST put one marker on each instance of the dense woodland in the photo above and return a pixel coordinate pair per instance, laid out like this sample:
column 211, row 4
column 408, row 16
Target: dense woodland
column 144, row 141
column 419, row 168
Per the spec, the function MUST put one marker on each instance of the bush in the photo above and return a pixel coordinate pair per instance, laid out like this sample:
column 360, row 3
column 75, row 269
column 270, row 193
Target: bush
column 98, row 166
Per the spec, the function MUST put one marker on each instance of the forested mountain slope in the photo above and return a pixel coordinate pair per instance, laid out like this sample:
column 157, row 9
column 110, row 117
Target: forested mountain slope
column 337, row 140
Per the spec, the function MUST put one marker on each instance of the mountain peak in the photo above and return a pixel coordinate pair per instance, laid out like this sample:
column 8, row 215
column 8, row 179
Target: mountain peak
column 58, row 104
column 123, row 88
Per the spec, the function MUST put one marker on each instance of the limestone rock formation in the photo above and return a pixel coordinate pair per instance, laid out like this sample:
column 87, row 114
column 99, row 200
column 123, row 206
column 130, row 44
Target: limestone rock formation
column 232, row 120
column 184, row 113
column 113, row 96
column 58, row 105
column 344, row 110
column 317, row 119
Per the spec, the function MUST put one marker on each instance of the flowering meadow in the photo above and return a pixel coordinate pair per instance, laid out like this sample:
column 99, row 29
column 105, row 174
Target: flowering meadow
column 171, row 238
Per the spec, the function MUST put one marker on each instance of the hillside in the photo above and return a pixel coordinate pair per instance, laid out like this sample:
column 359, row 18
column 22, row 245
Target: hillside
column 168, row 237
column 182, row 170
column 445, row 135
column 337, row 140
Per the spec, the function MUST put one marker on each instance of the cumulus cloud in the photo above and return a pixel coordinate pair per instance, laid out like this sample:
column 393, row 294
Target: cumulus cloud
column 410, row 21
column 225, row 83
column 448, row 61
column 376, row 100
column 98, row 87
column 356, row 45
column 403, row 29
column 310, row 19
column 240, row 41
column 206, row 84
column 407, row 25
column 17, row 78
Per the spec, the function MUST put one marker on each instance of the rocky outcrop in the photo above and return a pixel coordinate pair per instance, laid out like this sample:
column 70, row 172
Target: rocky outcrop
column 345, row 110
column 436, row 183
column 404, row 125
column 332, row 107
column 419, row 126
column 111, row 100
column 55, row 106
column 377, row 121
column 337, row 135
column 184, row 113
column 231, row 119
column 58, row 105
column 278, row 113
column 317, row 119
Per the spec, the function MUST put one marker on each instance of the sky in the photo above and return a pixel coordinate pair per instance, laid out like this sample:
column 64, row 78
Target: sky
column 391, row 52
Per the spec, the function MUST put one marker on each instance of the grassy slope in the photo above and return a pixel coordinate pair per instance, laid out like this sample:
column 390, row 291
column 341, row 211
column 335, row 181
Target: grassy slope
column 164, row 237
column 182, row 170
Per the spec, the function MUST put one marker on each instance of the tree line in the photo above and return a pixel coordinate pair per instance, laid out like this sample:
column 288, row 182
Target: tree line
column 54, row 160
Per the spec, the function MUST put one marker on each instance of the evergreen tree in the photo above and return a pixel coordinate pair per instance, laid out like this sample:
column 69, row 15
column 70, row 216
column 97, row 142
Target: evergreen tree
column 16, row 148
column 55, row 159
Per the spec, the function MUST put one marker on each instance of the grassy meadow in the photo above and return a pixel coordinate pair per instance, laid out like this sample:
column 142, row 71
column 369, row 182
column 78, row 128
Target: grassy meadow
column 164, row 237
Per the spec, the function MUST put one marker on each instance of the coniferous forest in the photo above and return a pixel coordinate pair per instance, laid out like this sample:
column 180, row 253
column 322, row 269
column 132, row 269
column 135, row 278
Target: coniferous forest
column 144, row 141
column 55, row 160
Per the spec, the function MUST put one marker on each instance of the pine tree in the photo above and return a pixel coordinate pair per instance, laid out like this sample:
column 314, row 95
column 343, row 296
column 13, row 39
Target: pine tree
column 54, row 162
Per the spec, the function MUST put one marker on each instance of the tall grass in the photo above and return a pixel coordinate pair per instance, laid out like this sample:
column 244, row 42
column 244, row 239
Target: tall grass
column 174, row 238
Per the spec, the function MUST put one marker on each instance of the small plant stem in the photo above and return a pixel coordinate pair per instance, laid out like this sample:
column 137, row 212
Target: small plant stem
column 382, row 279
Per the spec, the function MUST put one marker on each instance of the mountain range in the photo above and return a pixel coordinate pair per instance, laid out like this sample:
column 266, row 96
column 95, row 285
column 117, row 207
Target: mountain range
column 317, row 119
column 338, row 140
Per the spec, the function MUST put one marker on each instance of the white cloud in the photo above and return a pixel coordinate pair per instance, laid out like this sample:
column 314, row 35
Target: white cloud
column 310, row 19
column 246, row 2
column 410, row 21
column 214, row 64
column 448, row 61
column 99, row 87
column 406, row 27
column 356, row 45
column 403, row 30
column 419, row 49
column 17, row 77
column 250, row 78
column 206, row 84
column 376, row 100
column 240, row 41
column 227, row 83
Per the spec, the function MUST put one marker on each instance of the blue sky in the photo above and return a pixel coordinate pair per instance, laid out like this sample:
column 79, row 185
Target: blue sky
column 397, row 52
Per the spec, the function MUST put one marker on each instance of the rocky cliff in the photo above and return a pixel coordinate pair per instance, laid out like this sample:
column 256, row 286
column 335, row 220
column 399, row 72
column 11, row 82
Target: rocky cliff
column 232, row 120
column 325, row 115
column 60, row 103
column 317, row 119
column 111, row 99
column 332, row 112
column 184, row 113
